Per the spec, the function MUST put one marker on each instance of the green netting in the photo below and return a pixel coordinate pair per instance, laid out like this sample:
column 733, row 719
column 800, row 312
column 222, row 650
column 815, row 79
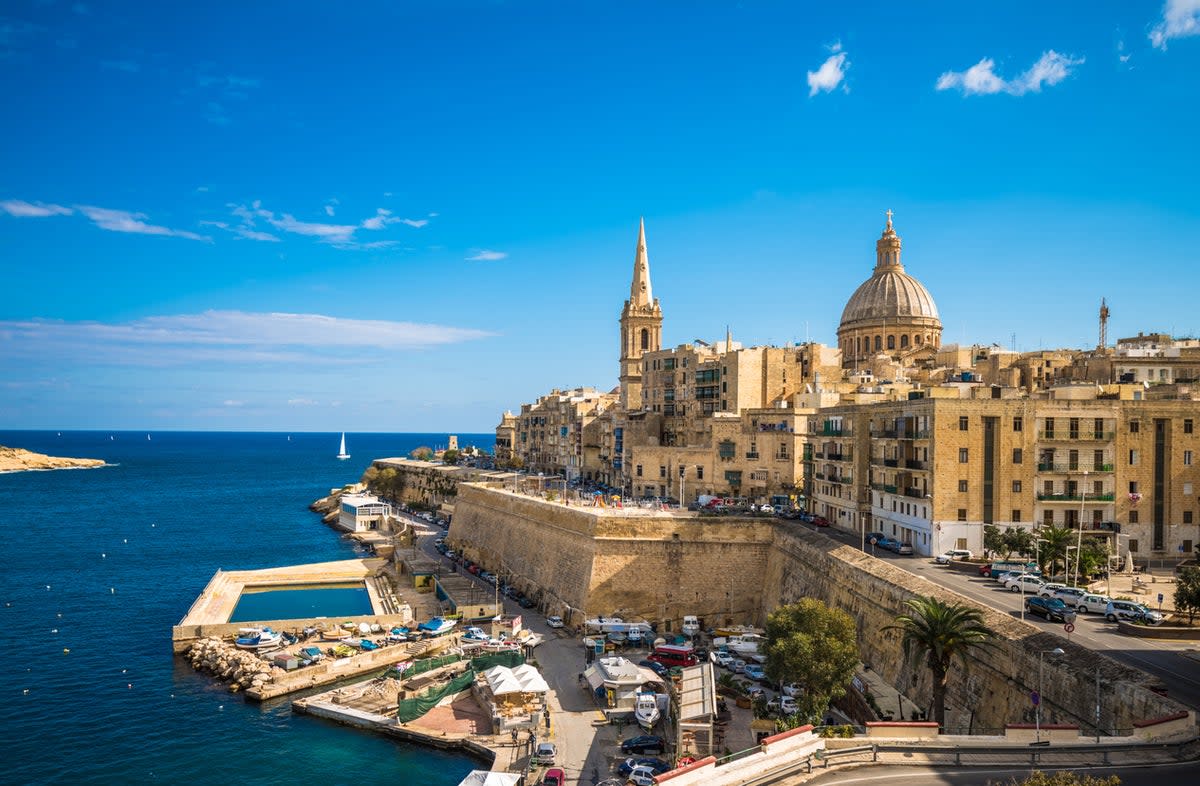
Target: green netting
column 510, row 659
column 410, row 709
column 429, row 664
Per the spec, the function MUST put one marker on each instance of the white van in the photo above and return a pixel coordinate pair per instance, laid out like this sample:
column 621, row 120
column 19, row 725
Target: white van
column 952, row 555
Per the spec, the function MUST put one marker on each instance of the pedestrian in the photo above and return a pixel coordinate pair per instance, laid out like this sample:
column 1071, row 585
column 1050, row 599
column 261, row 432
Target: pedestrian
column 514, row 737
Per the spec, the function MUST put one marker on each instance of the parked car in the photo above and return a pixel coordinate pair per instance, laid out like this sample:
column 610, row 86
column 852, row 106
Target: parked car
column 952, row 555
column 657, row 766
column 1048, row 590
column 554, row 777
column 792, row 689
column 644, row 743
column 1070, row 595
column 1050, row 608
column 1094, row 604
column 738, row 665
column 525, row 603
column 876, row 536
column 788, row 705
column 755, row 672
column 720, row 657
column 891, row 544
column 641, row 776
column 544, row 753
column 985, row 569
column 554, row 621
column 820, row 521
column 755, row 692
column 1006, row 575
column 656, row 667
column 1132, row 612
column 905, row 549
column 1026, row 582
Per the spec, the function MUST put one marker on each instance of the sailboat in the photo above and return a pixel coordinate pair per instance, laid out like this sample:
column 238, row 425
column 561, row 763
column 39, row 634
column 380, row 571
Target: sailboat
column 342, row 454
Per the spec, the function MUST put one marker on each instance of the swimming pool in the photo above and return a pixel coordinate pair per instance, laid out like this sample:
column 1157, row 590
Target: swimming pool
column 302, row 601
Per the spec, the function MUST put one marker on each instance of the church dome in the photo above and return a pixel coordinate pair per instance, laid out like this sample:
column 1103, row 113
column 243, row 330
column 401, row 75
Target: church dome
column 890, row 293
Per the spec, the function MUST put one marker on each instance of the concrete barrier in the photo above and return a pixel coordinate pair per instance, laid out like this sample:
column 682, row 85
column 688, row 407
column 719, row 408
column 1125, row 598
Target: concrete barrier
column 777, row 755
column 1179, row 724
column 1159, row 631
column 1066, row 733
column 907, row 730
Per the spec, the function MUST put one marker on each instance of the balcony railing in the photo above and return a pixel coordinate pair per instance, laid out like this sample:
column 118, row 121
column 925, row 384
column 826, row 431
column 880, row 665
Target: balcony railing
column 884, row 487
column 914, row 464
column 1106, row 497
column 886, row 433
column 1071, row 436
column 916, row 434
column 915, row 493
column 752, row 456
column 836, row 456
column 831, row 431
column 887, row 462
column 819, row 475
column 1068, row 467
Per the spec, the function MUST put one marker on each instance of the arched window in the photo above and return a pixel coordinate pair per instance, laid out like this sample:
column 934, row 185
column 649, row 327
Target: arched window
column 858, row 341
column 917, row 338
column 904, row 341
column 891, row 342
column 645, row 339
column 878, row 343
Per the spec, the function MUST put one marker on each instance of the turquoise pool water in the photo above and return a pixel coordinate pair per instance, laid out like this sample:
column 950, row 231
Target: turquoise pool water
column 301, row 602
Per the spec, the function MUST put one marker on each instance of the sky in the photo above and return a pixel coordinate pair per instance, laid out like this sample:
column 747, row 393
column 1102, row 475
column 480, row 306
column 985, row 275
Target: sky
column 404, row 216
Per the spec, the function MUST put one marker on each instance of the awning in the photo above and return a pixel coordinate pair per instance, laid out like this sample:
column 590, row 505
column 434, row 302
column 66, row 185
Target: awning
column 501, row 681
column 594, row 678
column 486, row 778
column 531, row 681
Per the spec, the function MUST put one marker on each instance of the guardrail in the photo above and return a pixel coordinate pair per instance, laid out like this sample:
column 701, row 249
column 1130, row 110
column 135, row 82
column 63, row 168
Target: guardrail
column 1036, row 752
column 837, row 753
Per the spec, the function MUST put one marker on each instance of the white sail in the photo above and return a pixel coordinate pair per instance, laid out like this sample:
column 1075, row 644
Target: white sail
column 342, row 454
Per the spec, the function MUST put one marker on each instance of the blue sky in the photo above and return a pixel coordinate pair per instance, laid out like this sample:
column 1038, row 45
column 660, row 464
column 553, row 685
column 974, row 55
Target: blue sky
column 409, row 217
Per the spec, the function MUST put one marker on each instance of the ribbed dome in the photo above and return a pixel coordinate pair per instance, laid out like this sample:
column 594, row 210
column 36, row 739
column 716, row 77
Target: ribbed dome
column 887, row 295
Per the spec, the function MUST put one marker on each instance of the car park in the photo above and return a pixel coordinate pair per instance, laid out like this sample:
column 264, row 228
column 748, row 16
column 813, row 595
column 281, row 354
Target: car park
column 644, row 743
column 1051, row 608
column 1026, row 582
column 544, row 753
column 953, row 555
column 1129, row 611
column 554, row 777
column 554, row 621
column 1093, row 604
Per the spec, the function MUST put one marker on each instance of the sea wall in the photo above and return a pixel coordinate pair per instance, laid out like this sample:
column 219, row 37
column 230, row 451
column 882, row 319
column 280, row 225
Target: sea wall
column 994, row 689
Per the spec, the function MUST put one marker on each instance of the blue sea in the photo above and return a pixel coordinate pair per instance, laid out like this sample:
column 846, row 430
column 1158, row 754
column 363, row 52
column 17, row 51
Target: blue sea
column 97, row 565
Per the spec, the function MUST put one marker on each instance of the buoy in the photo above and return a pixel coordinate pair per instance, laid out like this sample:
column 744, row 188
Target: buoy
column 153, row 525
column 103, row 556
column 60, row 615
column 221, row 707
column 47, row 587
column 66, row 651
column 112, row 590
column 27, row 691
column 124, row 670
column 130, row 686
column 126, row 540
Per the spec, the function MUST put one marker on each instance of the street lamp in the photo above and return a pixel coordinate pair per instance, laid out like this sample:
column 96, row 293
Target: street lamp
column 682, row 475
column 937, row 532
column 1037, row 718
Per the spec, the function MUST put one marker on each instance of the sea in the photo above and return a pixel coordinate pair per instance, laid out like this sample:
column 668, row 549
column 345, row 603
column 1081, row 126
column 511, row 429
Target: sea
column 96, row 565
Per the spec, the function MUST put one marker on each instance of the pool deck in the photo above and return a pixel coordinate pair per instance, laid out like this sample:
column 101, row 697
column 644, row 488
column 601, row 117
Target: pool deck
column 210, row 612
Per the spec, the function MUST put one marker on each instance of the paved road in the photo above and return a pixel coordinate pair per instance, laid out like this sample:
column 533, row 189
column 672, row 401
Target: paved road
column 1186, row 772
column 1176, row 663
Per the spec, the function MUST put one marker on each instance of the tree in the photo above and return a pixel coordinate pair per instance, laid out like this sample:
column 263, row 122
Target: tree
column 816, row 646
column 941, row 632
column 423, row 453
column 1018, row 540
column 450, row 456
column 1054, row 550
column 1062, row 778
column 993, row 540
column 1187, row 592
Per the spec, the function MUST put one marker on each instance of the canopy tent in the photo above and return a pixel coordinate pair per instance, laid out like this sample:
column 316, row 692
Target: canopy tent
column 531, row 681
column 486, row 778
column 501, row 681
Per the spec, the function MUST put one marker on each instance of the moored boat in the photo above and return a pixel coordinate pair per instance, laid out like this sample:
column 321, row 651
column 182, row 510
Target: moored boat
column 437, row 625
column 646, row 710
column 257, row 639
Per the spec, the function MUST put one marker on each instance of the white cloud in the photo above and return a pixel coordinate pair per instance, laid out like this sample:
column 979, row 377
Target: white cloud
column 22, row 209
column 1181, row 19
column 338, row 235
column 301, row 402
column 414, row 222
column 484, row 255
column 329, row 210
column 223, row 337
column 229, row 402
column 830, row 74
column 125, row 221
column 981, row 78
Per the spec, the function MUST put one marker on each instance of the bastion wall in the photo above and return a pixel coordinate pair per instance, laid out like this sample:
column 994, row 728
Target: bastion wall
column 585, row 562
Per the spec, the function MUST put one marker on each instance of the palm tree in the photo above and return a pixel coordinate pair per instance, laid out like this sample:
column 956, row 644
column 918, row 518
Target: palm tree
column 1053, row 549
column 941, row 632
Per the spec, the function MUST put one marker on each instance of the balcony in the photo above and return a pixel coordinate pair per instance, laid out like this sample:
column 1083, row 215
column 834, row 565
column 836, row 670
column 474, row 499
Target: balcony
column 819, row 475
column 752, row 456
column 1068, row 467
column 836, row 456
column 1106, row 497
column 1075, row 436
column 916, row 434
column 914, row 464
column 887, row 462
column 884, row 487
column 915, row 493
column 887, row 433
column 831, row 431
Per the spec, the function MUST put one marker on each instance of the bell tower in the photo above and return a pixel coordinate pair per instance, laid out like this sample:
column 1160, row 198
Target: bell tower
column 641, row 326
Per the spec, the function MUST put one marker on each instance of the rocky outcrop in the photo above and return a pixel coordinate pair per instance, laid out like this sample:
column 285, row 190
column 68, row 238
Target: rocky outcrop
column 241, row 669
column 19, row 460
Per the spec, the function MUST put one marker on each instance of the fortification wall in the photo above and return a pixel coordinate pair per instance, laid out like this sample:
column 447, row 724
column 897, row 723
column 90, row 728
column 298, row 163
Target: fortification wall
column 994, row 688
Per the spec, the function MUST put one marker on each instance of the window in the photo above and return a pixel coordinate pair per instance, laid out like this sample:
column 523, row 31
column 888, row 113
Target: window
column 1018, row 423
column 1187, row 519
column 1016, row 515
column 891, row 342
column 963, row 421
column 1133, row 458
column 962, row 456
column 1187, row 426
column 699, row 472
column 1017, row 455
column 1134, row 427
column 962, row 486
column 1133, row 519
column 1016, row 487
column 962, row 514
column 1187, row 489
column 639, row 470
column 1049, row 428
column 662, row 471
column 1047, row 518
column 1132, row 542
column 1187, row 458
column 1098, row 428
column 1133, row 487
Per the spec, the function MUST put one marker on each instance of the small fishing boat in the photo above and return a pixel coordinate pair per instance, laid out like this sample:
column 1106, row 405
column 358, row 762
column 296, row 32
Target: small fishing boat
column 437, row 625
column 646, row 710
column 335, row 634
column 257, row 639
column 366, row 645
column 311, row 654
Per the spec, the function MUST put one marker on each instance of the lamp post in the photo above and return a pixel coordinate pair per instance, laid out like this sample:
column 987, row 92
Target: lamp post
column 1079, row 541
column 937, row 533
column 1037, row 717
column 682, row 475
column 862, row 528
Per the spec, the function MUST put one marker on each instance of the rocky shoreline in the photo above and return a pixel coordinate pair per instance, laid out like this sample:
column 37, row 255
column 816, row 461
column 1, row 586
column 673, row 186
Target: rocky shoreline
column 20, row 460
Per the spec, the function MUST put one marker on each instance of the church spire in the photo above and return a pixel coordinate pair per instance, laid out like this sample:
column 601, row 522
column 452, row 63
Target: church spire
column 639, row 289
column 887, row 249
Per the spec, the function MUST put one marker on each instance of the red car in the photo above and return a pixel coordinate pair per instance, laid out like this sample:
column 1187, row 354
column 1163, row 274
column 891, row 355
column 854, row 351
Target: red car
column 820, row 521
column 985, row 570
column 554, row 777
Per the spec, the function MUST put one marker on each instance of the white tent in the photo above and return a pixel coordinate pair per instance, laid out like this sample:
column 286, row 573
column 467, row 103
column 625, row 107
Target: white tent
column 531, row 681
column 485, row 778
column 501, row 681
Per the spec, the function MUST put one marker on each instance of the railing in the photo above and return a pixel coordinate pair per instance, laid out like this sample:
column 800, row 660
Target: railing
column 836, row 456
column 914, row 464
column 819, row 455
column 887, row 433
column 887, row 462
column 917, row 434
column 884, row 487
column 819, row 475
column 1105, row 497
column 915, row 493
column 752, row 456
column 831, row 431
column 1069, row 467
column 1076, row 435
